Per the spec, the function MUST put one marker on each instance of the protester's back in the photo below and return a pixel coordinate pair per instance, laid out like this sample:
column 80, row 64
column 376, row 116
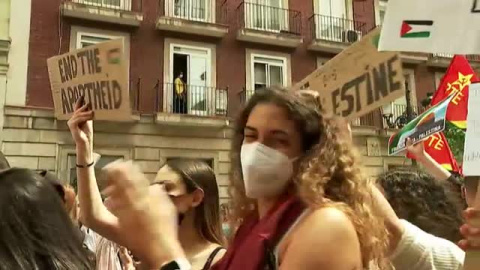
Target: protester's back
column 35, row 230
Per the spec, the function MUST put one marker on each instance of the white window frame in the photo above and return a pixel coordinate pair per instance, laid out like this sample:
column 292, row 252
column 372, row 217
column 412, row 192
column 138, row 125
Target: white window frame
column 168, row 75
column 250, row 16
column 80, row 34
column 318, row 26
column 252, row 68
column 379, row 5
column 249, row 56
column 348, row 8
column 122, row 5
column 77, row 31
column 210, row 12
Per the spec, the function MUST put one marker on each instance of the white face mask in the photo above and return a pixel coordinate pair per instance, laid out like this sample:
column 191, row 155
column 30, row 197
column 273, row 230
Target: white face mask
column 266, row 171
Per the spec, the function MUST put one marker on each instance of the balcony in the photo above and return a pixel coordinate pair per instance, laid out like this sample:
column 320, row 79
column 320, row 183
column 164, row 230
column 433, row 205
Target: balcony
column 413, row 58
column 194, row 106
column 442, row 60
column 199, row 17
column 395, row 115
column 122, row 12
column 269, row 25
column 332, row 35
column 370, row 120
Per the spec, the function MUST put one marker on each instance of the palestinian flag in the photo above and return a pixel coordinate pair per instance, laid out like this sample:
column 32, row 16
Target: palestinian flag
column 416, row 29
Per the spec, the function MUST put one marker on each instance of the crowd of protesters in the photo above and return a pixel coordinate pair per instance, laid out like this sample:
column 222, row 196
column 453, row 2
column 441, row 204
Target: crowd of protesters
column 300, row 199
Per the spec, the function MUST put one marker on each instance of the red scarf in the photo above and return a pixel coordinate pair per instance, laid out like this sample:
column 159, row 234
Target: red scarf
column 255, row 237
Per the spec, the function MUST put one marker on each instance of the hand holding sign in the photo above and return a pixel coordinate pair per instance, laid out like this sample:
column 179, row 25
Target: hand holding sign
column 99, row 73
column 81, row 125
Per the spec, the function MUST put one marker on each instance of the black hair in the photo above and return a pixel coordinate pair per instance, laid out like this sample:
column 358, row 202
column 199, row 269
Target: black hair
column 35, row 229
column 423, row 201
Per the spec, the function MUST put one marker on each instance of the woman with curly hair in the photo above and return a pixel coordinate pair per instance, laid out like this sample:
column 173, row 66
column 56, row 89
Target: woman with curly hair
column 297, row 192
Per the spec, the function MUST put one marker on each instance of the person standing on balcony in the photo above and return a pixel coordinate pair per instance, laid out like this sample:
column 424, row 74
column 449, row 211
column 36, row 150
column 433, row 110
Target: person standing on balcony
column 180, row 98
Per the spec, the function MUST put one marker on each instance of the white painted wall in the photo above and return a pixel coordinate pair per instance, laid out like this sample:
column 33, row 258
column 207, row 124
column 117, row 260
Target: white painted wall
column 20, row 11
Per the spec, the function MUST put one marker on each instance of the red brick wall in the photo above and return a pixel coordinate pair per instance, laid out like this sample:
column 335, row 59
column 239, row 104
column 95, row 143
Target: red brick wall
column 147, row 49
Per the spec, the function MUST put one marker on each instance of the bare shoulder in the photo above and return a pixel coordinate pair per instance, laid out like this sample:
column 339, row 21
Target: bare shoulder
column 329, row 222
column 325, row 239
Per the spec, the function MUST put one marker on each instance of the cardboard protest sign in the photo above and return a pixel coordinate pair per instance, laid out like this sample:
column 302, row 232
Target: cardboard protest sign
column 471, row 161
column 99, row 73
column 428, row 123
column 471, row 154
column 358, row 80
column 432, row 26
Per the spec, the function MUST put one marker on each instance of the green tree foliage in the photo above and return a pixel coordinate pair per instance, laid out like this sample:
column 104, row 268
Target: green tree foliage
column 456, row 140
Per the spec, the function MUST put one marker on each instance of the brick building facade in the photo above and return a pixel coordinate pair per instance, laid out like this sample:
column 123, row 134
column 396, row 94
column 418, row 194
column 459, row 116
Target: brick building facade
column 224, row 49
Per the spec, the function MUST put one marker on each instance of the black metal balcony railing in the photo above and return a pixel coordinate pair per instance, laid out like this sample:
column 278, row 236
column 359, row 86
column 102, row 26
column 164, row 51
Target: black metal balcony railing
column 268, row 18
column 397, row 118
column 336, row 29
column 209, row 11
column 470, row 57
column 135, row 86
column 372, row 119
column 192, row 99
column 122, row 5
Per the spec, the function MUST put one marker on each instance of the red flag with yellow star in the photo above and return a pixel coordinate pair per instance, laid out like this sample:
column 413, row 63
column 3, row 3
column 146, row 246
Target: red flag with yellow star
column 456, row 81
column 437, row 147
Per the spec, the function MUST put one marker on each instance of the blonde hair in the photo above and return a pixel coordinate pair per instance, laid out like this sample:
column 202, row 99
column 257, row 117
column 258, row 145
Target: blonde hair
column 329, row 173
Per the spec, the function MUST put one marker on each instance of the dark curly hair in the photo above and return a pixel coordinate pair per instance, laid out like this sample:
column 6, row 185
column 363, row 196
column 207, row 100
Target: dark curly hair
column 423, row 201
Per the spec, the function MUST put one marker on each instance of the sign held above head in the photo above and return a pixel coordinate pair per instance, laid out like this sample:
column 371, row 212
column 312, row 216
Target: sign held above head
column 432, row 26
column 99, row 74
column 358, row 80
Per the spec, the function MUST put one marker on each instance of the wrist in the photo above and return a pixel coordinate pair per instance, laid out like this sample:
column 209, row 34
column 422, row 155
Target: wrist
column 84, row 154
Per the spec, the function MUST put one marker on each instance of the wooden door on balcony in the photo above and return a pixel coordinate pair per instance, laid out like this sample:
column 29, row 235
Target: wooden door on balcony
column 331, row 19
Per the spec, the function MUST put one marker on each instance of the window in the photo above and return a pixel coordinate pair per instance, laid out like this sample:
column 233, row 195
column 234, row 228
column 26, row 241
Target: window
column 333, row 8
column 196, row 10
column 381, row 10
column 268, row 71
column 88, row 39
column 190, row 69
column 115, row 4
column 266, row 15
column 81, row 37
column 104, row 160
column 333, row 20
